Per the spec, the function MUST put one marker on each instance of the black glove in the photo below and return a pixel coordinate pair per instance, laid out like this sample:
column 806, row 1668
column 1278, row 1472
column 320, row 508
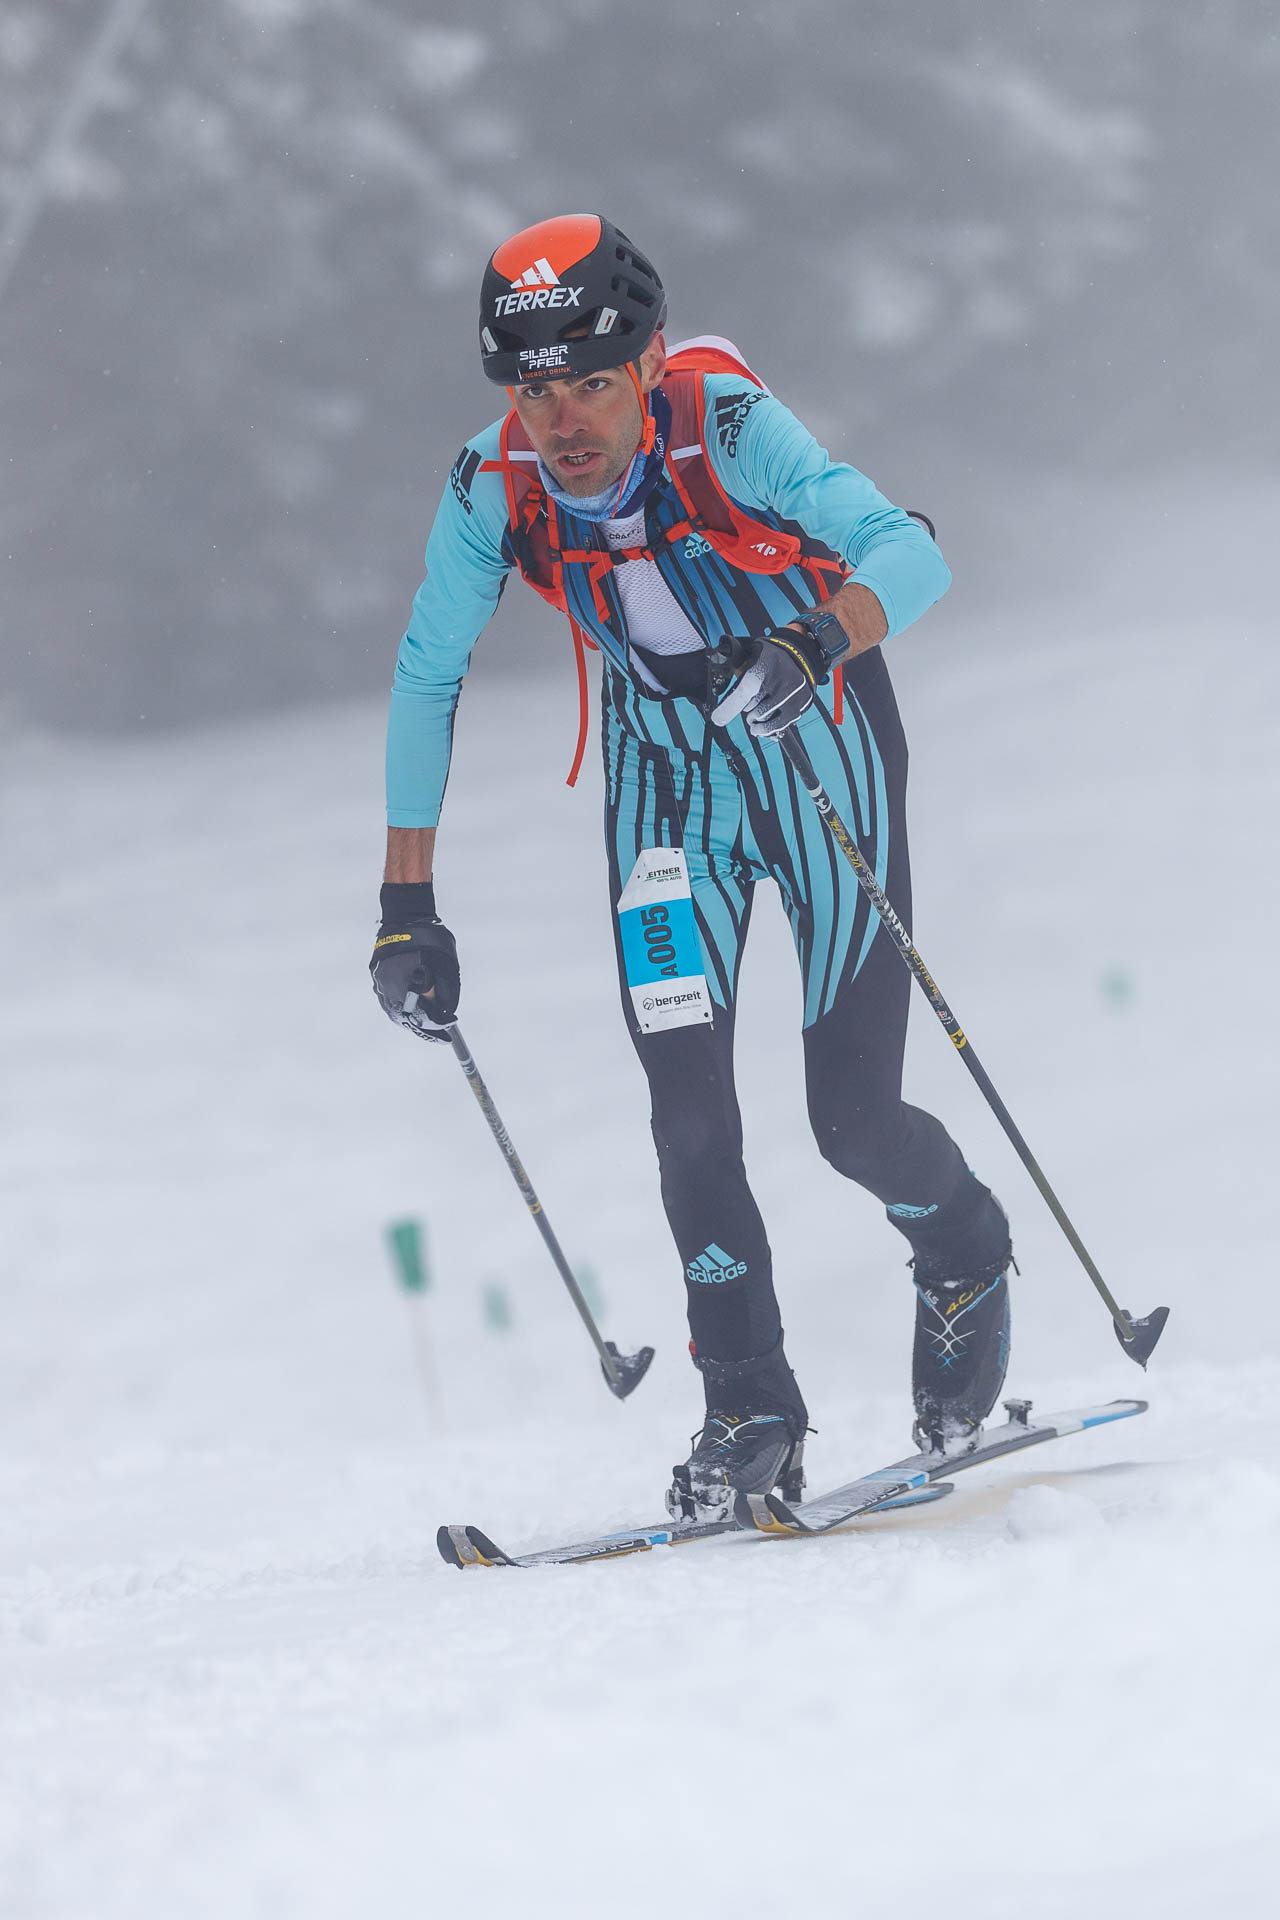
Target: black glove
column 414, row 953
column 773, row 681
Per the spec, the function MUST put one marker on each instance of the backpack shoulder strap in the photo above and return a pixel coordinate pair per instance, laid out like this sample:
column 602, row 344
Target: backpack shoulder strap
column 530, row 516
column 531, row 522
column 518, row 464
column 737, row 537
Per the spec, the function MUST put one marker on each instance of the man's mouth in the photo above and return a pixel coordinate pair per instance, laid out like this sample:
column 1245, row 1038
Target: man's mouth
column 577, row 462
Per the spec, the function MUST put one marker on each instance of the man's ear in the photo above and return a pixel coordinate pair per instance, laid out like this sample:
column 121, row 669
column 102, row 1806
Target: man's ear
column 653, row 362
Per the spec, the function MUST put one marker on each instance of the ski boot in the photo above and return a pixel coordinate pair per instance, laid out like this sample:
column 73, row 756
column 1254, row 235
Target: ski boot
column 752, row 1440
column 962, row 1332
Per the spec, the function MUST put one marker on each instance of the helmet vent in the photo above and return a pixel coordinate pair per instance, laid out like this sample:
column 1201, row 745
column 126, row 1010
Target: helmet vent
column 631, row 290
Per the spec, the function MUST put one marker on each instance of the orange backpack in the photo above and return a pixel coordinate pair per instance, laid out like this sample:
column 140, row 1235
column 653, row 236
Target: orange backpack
column 739, row 540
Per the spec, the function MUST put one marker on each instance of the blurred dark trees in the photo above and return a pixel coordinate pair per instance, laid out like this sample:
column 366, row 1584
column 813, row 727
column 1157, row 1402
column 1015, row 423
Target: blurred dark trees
column 237, row 349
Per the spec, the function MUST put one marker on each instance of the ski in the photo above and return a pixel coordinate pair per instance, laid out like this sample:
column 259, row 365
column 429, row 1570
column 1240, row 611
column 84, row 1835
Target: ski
column 913, row 1482
column 876, row 1492
column 468, row 1547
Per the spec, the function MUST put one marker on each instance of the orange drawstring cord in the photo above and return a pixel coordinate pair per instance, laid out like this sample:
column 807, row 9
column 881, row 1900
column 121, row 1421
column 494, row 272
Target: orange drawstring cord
column 650, row 424
column 584, row 711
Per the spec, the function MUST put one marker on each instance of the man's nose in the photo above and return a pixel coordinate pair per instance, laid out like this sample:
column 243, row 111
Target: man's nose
column 568, row 417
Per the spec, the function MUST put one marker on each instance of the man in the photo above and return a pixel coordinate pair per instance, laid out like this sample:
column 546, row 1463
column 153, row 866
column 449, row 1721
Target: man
column 662, row 507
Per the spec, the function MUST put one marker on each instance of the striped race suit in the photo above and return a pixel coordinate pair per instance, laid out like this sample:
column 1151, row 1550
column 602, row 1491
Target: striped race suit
column 731, row 801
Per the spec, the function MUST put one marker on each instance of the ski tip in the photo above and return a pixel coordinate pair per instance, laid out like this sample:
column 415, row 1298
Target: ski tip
column 631, row 1369
column 486, row 1553
column 1145, row 1334
column 468, row 1547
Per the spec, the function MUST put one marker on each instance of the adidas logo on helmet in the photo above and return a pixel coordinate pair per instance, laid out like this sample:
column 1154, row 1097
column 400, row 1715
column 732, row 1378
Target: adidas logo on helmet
column 540, row 274
column 538, row 286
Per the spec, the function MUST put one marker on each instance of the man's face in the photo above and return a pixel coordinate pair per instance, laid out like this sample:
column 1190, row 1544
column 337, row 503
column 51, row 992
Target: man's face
column 585, row 431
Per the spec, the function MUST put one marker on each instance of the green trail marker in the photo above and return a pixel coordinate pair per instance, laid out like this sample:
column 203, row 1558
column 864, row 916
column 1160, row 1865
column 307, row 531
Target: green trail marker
column 497, row 1307
column 406, row 1243
column 408, row 1255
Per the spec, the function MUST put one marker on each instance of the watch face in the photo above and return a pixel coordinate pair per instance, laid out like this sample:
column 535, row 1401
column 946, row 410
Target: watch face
column 827, row 631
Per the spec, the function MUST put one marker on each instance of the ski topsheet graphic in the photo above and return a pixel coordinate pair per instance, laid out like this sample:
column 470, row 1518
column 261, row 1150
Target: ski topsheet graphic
column 661, row 951
column 912, row 1482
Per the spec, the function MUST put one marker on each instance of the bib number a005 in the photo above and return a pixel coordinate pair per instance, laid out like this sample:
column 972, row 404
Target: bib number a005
column 661, row 952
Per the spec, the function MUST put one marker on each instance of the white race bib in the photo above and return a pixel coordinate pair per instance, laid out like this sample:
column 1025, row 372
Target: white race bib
column 661, row 951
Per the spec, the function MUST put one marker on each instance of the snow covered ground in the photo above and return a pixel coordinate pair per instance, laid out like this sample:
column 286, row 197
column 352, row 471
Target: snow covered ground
column 237, row 1680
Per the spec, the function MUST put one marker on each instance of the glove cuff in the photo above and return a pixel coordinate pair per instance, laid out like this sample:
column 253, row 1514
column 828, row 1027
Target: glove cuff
column 805, row 648
column 407, row 903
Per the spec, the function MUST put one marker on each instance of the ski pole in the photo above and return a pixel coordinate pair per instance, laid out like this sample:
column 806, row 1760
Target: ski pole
column 1136, row 1336
column 622, row 1371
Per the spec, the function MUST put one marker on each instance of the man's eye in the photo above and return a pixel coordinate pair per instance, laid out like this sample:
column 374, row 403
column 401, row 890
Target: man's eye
column 597, row 384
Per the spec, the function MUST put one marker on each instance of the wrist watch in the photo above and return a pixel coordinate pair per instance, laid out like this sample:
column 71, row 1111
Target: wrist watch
column 827, row 635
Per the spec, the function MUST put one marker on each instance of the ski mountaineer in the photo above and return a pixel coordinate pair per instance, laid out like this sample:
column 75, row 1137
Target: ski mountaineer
column 664, row 501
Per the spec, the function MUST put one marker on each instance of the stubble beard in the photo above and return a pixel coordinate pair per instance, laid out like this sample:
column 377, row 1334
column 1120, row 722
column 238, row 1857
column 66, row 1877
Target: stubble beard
column 598, row 480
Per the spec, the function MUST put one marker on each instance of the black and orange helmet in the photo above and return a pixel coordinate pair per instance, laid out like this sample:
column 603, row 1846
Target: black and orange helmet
column 565, row 298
